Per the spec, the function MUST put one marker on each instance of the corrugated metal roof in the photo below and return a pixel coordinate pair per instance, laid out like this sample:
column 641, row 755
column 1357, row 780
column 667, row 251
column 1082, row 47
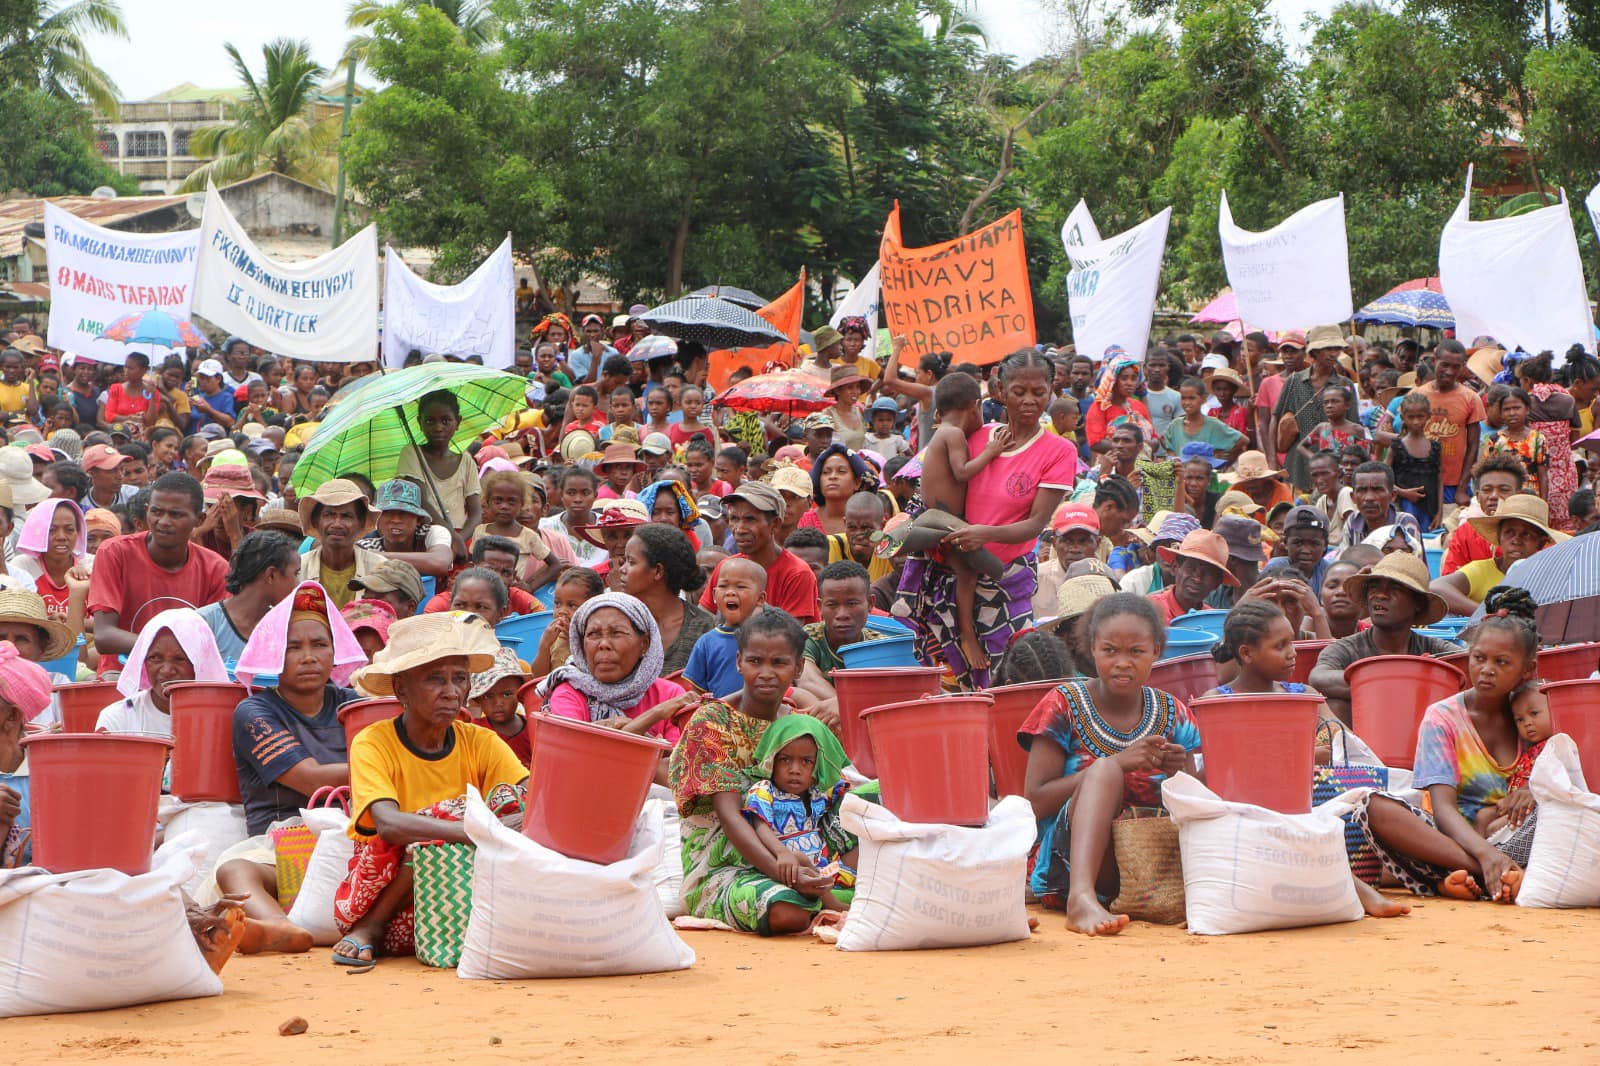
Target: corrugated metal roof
column 15, row 214
column 25, row 290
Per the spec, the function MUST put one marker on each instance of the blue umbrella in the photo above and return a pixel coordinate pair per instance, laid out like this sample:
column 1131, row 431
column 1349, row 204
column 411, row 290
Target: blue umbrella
column 1564, row 579
column 1409, row 307
column 157, row 328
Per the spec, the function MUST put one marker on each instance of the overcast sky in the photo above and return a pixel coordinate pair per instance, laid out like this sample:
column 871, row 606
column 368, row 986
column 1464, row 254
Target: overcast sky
column 166, row 48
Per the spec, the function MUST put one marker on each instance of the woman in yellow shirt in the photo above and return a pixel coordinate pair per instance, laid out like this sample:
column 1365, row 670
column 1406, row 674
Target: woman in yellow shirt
column 1520, row 527
column 408, row 775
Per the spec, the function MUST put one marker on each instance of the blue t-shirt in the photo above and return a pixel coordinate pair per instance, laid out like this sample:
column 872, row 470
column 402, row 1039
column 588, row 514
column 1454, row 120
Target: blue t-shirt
column 1163, row 406
column 270, row 737
column 714, row 663
column 222, row 401
column 16, row 847
column 230, row 642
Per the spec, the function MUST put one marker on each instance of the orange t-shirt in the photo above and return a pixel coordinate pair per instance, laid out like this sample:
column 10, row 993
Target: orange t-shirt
column 1449, row 415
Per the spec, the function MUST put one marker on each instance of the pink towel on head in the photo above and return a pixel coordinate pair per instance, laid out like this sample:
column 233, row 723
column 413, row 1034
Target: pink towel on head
column 34, row 537
column 23, row 683
column 263, row 652
column 193, row 636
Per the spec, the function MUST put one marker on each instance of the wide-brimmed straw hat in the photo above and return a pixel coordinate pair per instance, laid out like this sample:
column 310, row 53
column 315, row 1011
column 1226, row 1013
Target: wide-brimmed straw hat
column 1406, row 570
column 1076, row 597
column 1205, row 546
column 1234, row 500
column 334, row 493
column 281, row 519
column 427, row 638
column 613, row 514
column 1250, row 466
column 840, row 376
column 21, row 605
column 1522, row 507
column 620, row 455
column 1241, row 389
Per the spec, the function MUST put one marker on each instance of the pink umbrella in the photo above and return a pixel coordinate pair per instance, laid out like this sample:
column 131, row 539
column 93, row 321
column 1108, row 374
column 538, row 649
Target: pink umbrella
column 1223, row 309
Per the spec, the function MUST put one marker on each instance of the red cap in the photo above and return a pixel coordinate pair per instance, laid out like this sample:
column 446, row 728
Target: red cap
column 1070, row 516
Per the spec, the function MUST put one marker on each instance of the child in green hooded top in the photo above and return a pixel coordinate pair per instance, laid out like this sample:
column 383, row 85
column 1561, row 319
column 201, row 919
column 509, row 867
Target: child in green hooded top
column 797, row 782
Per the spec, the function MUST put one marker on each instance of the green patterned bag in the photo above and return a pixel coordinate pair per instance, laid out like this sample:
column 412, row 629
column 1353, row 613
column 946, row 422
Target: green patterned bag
column 442, row 894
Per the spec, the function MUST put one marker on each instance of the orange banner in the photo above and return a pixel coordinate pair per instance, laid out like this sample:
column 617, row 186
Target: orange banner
column 969, row 296
column 785, row 314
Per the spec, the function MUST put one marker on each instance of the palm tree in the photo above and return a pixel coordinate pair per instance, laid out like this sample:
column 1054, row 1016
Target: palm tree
column 274, row 127
column 957, row 20
column 474, row 18
column 55, row 48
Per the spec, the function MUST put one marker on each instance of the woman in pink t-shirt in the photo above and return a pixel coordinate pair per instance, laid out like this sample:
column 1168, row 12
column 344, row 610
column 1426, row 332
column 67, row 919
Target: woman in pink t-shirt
column 614, row 675
column 1008, row 504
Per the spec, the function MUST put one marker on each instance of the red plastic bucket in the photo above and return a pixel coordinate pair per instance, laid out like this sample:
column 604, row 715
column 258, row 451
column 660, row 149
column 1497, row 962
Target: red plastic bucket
column 587, row 787
column 358, row 714
column 203, row 767
column 1572, row 662
column 1305, row 658
column 82, row 703
column 528, row 696
column 1012, row 705
column 1389, row 693
column 1459, row 661
column 1575, row 711
column 933, row 757
column 1258, row 747
column 859, row 689
column 1185, row 677
column 94, row 799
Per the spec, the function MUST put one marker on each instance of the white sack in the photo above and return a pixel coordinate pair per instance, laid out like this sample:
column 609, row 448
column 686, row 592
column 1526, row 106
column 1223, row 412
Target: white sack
column 1246, row 868
column 668, row 874
column 937, row 886
column 100, row 939
column 537, row 913
column 1564, row 862
column 219, row 825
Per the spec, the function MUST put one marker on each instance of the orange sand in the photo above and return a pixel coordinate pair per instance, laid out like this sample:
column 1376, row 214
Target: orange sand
column 1453, row 982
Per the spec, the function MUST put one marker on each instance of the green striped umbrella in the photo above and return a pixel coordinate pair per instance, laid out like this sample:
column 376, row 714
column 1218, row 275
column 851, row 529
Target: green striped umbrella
column 366, row 431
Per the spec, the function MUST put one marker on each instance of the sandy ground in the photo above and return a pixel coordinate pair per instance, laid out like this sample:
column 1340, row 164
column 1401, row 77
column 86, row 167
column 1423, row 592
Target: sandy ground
column 1453, row 982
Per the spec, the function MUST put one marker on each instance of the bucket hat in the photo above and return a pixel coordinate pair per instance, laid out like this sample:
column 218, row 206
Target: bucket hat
column 1406, row 570
column 427, row 638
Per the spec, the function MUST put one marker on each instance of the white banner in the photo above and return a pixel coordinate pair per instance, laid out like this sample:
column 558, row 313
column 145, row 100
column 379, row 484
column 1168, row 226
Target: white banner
column 476, row 317
column 1293, row 276
column 99, row 275
column 1111, row 289
column 1518, row 280
column 325, row 309
column 864, row 300
column 1592, row 204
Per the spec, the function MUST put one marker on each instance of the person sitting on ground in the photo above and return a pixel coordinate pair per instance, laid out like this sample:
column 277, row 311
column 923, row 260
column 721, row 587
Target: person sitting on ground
column 480, row 591
column 1464, row 746
column 1304, row 546
column 499, row 556
column 264, row 569
column 1111, row 741
column 1342, row 613
column 405, row 531
column 729, row 874
column 1157, row 574
column 574, row 588
column 453, row 475
column 613, row 525
column 494, row 697
column 409, row 776
column 813, row 546
column 1254, row 476
column 1372, row 491
column 1520, row 527
column 713, row 666
column 369, row 620
column 337, row 512
column 1200, row 565
column 864, row 515
column 1246, row 553
column 1073, row 534
column 1034, row 657
column 668, row 503
column 1530, row 711
column 52, row 557
column 288, row 742
column 24, row 699
column 173, row 647
column 614, row 675
column 797, row 785
column 1394, row 595
column 845, row 601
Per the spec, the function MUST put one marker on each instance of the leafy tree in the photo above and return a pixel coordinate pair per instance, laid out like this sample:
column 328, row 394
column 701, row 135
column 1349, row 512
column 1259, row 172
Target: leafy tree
column 46, row 41
column 45, row 148
column 275, row 128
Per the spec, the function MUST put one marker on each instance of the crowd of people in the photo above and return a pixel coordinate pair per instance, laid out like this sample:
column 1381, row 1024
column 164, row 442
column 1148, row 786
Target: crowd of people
column 1047, row 516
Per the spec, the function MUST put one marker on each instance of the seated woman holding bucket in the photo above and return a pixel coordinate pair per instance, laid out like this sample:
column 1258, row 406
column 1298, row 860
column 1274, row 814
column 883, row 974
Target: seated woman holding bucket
column 24, row 695
column 614, row 675
column 176, row 645
column 409, row 775
column 287, row 742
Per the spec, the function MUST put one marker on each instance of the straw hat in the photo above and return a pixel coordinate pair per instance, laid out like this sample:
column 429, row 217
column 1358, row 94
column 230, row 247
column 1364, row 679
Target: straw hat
column 576, row 445
column 1077, row 596
column 840, row 376
column 793, row 480
column 1524, row 508
column 282, row 520
column 1241, row 390
column 1406, row 570
column 620, row 455
column 1485, row 361
column 427, row 638
column 1205, row 546
column 16, row 472
column 613, row 514
column 334, row 493
column 1322, row 337
column 1250, row 466
column 1238, row 501
column 27, row 607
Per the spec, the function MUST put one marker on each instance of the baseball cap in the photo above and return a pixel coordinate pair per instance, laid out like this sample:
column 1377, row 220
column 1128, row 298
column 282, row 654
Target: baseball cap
column 1070, row 516
column 1214, row 362
column 211, row 368
column 391, row 575
column 710, row 507
column 884, row 403
column 102, row 457
column 657, row 444
column 760, row 495
column 793, row 480
column 818, row 421
column 1305, row 516
column 1294, row 338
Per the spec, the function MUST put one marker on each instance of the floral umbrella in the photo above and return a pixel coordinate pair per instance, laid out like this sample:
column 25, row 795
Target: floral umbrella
column 1415, row 303
column 155, row 328
column 790, row 392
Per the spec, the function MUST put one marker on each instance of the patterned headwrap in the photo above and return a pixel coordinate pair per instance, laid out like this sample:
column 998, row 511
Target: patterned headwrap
column 23, row 684
column 609, row 700
column 554, row 318
column 864, row 480
column 688, row 512
column 1116, row 360
column 854, row 322
column 1508, row 376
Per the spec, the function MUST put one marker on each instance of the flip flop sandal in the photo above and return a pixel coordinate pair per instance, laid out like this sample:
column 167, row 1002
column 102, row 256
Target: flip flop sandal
column 356, row 963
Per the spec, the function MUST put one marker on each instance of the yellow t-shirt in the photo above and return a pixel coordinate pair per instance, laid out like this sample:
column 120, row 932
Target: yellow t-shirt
column 14, row 397
column 839, row 551
column 383, row 766
column 1482, row 575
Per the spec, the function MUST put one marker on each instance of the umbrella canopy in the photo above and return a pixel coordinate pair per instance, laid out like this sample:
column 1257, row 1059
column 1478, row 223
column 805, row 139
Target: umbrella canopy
column 1414, row 303
column 743, row 297
column 652, row 346
column 1565, row 581
column 156, row 328
column 713, row 322
column 1223, row 309
column 368, row 437
column 790, row 392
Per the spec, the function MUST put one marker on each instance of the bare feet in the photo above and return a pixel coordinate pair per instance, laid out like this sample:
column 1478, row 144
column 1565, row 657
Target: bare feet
column 1510, row 885
column 974, row 652
column 280, row 937
column 1085, row 915
column 1460, row 885
column 1378, row 905
column 217, row 930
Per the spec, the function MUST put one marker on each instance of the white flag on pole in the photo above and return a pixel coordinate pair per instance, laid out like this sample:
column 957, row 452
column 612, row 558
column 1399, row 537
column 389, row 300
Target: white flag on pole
column 1518, row 280
column 1294, row 275
column 1111, row 289
column 475, row 317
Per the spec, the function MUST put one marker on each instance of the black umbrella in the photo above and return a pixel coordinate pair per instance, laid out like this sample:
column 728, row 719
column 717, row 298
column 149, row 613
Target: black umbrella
column 742, row 297
column 713, row 322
